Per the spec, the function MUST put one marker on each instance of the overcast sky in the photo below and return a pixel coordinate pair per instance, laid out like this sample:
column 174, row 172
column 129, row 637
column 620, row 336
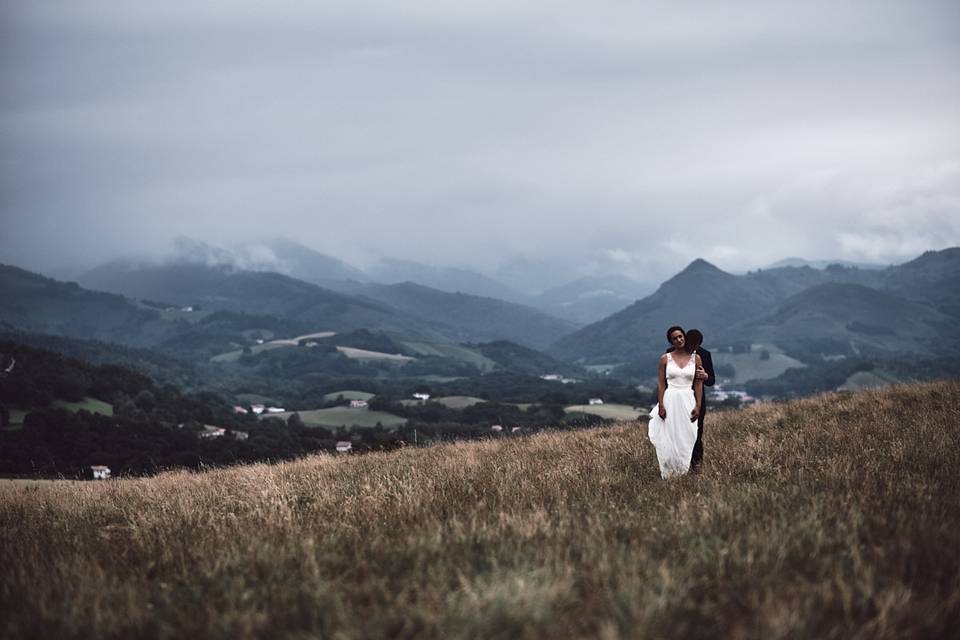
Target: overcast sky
column 633, row 136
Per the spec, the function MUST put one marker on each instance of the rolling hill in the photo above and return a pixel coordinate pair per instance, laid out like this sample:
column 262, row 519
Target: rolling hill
column 699, row 296
column 851, row 319
column 836, row 310
column 407, row 308
column 448, row 279
column 832, row 517
column 476, row 318
column 261, row 292
column 34, row 303
column 589, row 299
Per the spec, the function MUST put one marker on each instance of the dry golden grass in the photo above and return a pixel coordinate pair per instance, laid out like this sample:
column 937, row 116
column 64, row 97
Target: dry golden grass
column 834, row 517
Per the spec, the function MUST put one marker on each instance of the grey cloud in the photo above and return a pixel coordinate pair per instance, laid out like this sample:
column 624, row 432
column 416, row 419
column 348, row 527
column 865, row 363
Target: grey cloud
column 473, row 135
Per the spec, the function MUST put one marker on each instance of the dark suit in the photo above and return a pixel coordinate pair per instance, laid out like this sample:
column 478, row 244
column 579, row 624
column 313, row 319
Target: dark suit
column 707, row 363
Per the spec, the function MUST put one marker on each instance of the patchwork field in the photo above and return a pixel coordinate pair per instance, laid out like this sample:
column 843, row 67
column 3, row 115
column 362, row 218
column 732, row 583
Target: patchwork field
column 754, row 365
column 450, row 350
column 868, row 380
column 363, row 354
column 620, row 412
column 89, row 404
column 347, row 395
column 17, row 416
column 343, row 417
column 833, row 517
column 233, row 356
column 458, row 402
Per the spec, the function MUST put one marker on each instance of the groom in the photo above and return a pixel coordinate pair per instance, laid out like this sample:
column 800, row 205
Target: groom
column 693, row 340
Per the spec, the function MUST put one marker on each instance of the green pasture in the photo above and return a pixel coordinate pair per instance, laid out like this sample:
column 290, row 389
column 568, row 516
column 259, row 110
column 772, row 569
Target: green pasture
column 90, row 404
column 343, row 417
column 347, row 394
column 458, row 402
column 752, row 366
column 233, row 356
column 607, row 411
column 450, row 350
column 451, row 402
column 862, row 380
column 364, row 354
column 17, row 416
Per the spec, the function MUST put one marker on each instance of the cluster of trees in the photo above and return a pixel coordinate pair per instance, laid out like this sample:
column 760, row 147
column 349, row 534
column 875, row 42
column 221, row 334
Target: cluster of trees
column 154, row 427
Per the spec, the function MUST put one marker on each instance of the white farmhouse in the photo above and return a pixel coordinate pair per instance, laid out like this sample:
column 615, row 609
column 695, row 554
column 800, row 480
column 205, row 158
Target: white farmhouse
column 358, row 404
column 257, row 408
column 344, row 446
column 100, row 471
column 595, row 401
column 239, row 409
column 275, row 409
column 212, row 432
column 422, row 396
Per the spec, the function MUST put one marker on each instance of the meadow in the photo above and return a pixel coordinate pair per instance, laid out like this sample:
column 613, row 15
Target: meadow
column 618, row 412
column 831, row 517
column 762, row 362
column 334, row 417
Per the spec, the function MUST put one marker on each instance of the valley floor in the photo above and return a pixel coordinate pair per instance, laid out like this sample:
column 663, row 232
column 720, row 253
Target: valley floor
column 831, row 517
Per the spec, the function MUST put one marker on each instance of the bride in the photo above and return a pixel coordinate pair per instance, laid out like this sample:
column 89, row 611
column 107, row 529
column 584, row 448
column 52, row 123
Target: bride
column 673, row 422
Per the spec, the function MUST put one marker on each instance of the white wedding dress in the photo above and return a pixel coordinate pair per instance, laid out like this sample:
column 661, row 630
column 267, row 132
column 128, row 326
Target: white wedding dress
column 674, row 437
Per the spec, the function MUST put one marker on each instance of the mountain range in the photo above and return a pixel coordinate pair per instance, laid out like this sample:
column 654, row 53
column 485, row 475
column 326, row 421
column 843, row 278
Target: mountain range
column 906, row 310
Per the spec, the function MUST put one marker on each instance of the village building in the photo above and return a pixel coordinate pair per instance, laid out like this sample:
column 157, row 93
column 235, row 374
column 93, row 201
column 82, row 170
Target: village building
column 239, row 409
column 100, row 471
column 344, row 446
column 240, row 435
column 358, row 404
column 497, row 428
column 275, row 409
column 422, row 396
column 595, row 401
column 257, row 408
column 212, row 432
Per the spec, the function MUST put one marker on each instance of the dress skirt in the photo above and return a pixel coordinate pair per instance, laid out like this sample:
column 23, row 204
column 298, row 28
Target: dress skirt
column 674, row 437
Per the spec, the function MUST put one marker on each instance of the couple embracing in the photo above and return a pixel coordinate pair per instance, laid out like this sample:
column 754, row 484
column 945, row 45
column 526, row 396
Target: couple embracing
column 676, row 423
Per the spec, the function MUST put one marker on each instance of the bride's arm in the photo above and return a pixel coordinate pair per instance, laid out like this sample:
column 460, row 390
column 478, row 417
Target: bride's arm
column 697, row 393
column 661, row 386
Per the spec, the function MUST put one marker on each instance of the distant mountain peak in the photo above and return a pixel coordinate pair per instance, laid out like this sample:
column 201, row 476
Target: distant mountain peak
column 701, row 266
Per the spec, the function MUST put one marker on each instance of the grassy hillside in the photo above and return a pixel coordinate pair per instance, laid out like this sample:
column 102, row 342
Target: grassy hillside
column 837, row 516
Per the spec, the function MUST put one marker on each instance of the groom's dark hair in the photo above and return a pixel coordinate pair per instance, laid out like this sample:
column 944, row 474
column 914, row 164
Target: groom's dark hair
column 694, row 338
column 675, row 328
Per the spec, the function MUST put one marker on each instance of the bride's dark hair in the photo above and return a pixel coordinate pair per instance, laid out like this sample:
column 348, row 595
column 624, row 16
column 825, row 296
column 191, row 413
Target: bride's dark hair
column 676, row 328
